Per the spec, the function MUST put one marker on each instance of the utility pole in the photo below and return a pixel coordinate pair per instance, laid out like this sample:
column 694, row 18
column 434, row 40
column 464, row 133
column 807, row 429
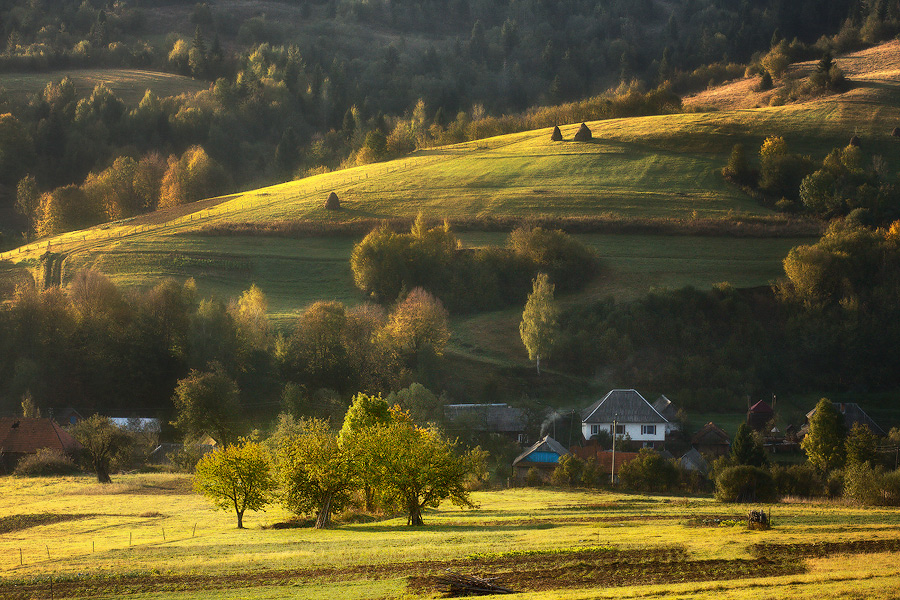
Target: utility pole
column 612, row 471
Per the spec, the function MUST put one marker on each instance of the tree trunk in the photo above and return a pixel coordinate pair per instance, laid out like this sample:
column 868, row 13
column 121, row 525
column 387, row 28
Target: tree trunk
column 102, row 473
column 415, row 515
column 369, row 493
column 538, row 362
column 323, row 519
column 240, row 517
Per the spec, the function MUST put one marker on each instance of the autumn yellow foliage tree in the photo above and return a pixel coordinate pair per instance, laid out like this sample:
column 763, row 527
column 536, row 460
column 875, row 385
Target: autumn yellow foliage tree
column 191, row 177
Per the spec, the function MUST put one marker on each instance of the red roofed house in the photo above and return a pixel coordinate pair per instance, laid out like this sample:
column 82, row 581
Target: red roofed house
column 20, row 437
column 759, row 415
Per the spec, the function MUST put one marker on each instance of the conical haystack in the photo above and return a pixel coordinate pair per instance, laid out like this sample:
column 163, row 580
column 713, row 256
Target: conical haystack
column 854, row 141
column 556, row 136
column 333, row 203
column 896, row 132
column 584, row 134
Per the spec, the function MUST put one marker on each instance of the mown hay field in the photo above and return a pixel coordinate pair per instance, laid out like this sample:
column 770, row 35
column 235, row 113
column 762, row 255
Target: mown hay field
column 149, row 536
column 128, row 84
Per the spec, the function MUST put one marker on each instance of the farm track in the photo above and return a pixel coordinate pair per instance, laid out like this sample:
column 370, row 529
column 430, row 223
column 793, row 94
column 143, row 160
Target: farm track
column 526, row 572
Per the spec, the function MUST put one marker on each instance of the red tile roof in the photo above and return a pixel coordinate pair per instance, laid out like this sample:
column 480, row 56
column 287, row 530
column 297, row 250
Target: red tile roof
column 26, row 436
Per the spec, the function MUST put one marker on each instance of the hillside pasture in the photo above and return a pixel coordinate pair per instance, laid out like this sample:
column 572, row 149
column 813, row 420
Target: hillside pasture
column 128, row 84
column 149, row 536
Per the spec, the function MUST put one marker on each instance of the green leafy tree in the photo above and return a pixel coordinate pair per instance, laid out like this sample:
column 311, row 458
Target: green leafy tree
column 364, row 413
column 747, row 449
column 649, row 472
column 824, row 444
column 105, row 444
column 207, row 402
column 861, row 445
column 315, row 470
column 421, row 469
column 539, row 320
column 237, row 477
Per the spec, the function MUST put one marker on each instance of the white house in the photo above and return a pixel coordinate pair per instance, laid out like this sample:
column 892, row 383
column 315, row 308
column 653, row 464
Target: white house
column 633, row 416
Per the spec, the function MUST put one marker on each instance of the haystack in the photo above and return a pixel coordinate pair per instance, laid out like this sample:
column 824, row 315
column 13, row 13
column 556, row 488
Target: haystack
column 854, row 141
column 333, row 203
column 556, row 136
column 896, row 132
column 584, row 134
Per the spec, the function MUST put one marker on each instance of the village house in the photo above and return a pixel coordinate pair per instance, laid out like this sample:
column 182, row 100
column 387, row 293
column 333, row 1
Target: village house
column 633, row 416
column 544, row 456
column 487, row 418
column 20, row 437
column 852, row 413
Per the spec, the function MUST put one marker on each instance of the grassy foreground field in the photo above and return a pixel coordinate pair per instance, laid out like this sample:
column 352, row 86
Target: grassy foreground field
column 149, row 536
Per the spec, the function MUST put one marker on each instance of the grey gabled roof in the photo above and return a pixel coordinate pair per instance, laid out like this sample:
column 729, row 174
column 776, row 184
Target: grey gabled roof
column 487, row 417
column 665, row 407
column 545, row 444
column 694, row 461
column 853, row 413
column 624, row 406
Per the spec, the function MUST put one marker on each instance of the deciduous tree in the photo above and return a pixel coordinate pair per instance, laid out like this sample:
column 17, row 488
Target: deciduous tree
column 105, row 444
column 237, row 477
column 315, row 469
column 207, row 402
column 539, row 320
column 421, row 468
column 824, row 444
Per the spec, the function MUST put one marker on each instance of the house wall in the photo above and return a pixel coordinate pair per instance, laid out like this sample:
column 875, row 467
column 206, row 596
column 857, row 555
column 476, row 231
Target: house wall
column 632, row 430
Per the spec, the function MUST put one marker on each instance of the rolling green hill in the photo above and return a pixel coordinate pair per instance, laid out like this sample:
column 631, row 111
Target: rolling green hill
column 662, row 170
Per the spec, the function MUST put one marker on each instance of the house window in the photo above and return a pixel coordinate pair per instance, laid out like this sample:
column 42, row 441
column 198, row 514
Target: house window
column 595, row 429
column 648, row 429
column 620, row 429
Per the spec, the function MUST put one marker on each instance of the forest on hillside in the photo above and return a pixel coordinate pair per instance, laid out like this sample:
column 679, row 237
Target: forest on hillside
column 297, row 88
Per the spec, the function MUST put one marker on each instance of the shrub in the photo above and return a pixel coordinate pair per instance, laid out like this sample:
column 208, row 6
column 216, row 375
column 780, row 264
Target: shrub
column 798, row 480
column 46, row 462
column 534, row 478
column 569, row 471
column 649, row 472
column 744, row 483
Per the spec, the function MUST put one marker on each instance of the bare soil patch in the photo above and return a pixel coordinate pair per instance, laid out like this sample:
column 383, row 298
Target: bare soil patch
column 527, row 571
column 824, row 548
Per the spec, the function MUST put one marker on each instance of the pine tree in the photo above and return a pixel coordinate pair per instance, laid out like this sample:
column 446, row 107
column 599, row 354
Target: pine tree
column 746, row 448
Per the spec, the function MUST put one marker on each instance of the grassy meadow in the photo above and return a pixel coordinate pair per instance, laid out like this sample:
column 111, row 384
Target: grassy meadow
column 149, row 536
column 128, row 84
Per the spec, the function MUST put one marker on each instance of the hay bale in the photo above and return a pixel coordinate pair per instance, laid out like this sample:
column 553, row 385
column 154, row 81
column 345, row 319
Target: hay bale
column 556, row 136
column 896, row 132
column 333, row 203
column 584, row 134
column 854, row 141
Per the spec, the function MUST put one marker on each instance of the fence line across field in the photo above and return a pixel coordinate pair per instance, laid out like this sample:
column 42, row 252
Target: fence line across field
column 25, row 551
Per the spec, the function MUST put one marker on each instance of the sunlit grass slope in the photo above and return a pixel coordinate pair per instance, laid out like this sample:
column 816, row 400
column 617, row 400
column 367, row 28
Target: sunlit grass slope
column 660, row 167
column 151, row 534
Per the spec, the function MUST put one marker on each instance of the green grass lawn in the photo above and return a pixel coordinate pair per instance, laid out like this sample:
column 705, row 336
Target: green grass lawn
column 149, row 535
column 128, row 84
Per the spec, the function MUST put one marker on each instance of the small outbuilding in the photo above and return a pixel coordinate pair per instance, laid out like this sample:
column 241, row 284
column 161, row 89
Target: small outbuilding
column 556, row 136
column 711, row 440
column 852, row 413
column 583, row 134
column 20, row 437
column 333, row 202
column 487, row 418
column 760, row 415
column 543, row 456
column 692, row 460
